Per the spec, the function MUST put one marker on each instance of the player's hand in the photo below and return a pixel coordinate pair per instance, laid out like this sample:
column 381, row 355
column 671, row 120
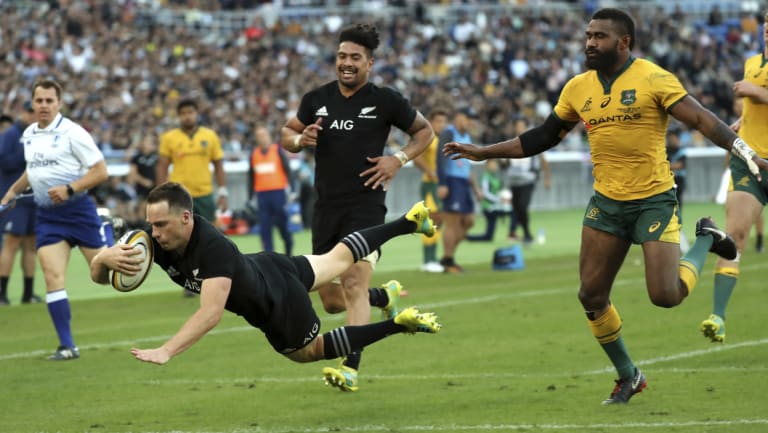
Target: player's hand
column 9, row 198
column 383, row 171
column 741, row 149
column 309, row 134
column 761, row 165
column 745, row 89
column 459, row 150
column 442, row 192
column 735, row 126
column 58, row 194
column 120, row 257
column 157, row 356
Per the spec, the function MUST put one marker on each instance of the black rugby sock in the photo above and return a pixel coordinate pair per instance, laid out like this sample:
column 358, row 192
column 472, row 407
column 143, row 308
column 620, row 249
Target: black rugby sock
column 29, row 284
column 3, row 286
column 363, row 242
column 353, row 359
column 378, row 297
column 347, row 339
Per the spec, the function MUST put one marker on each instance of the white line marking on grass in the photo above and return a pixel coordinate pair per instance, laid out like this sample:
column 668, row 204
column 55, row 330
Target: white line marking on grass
column 690, row 354
column 494, row 427
column 435, row 377
column 324, row 318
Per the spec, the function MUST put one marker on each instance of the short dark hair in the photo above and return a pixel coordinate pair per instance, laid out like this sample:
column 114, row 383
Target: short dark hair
column 361, row 34
column 175, row 194
column 186, row 103
column 48, row 83
column 4, row 118
column 624, row 22
column 437, row 112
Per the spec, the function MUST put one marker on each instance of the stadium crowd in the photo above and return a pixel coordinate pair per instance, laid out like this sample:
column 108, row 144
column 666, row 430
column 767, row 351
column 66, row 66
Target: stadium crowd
column 125, row 71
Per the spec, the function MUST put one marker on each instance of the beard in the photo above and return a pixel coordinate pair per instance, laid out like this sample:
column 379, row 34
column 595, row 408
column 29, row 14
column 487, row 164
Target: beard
column 603, row 60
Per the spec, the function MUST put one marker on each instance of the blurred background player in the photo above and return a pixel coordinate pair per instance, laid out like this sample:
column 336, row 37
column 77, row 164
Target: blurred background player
column 427, row 163
column 490, row 199
column 192, row 148
column 678, row 160
column 522, row 175
column 270, row 177
column 455, row 190
column 17, row 224
column 142, row 174
column 745, row 202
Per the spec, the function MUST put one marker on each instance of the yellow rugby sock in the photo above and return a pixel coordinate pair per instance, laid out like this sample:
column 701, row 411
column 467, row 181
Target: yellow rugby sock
column 607, row 331
column 606, row 328
column 689, row 275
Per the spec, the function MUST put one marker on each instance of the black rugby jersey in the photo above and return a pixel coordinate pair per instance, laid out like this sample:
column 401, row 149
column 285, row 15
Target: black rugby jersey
column 353, row 128
column 211, row 254
column 146, row 167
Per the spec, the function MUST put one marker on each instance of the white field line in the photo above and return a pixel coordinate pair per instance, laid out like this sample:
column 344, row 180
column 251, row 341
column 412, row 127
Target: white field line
column 450, row 303
column 324, row 318
column 439, row 377
column 493, row 427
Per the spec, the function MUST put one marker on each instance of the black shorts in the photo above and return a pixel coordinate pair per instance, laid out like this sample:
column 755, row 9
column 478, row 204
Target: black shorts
column 293, row 323
column 331, row 223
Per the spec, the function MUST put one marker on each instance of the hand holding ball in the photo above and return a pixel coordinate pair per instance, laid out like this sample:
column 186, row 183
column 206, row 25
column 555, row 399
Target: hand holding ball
column 138, row 239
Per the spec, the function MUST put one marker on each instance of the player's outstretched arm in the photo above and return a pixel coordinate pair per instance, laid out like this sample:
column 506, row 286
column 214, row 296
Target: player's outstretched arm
column 213, row 296
column 695, row 116
column 531, row 142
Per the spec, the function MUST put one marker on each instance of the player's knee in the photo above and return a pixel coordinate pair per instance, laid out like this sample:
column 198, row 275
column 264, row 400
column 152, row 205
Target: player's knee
column 592, row 300
column 334, row 308
column 333, row 304
column 666, row 300
column 310, row 353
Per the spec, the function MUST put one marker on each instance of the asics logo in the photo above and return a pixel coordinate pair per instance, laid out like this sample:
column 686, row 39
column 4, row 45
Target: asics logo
column 605, row 102
column 653, row 227
column 593, row 213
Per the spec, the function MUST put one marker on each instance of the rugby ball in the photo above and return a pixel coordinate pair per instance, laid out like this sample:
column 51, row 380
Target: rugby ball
column 140, row 240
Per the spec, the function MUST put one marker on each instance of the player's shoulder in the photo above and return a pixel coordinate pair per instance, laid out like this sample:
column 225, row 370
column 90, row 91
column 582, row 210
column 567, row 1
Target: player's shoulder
column 384, row 91
column 648, row 66
column 206, row 131
column 69, row 126
column 323, row 91
column 171, row 133
column 755, row 58
column 29, row 130
column 211, row 242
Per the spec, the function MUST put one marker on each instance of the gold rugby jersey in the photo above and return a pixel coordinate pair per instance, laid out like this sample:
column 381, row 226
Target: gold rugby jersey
column 626, row 120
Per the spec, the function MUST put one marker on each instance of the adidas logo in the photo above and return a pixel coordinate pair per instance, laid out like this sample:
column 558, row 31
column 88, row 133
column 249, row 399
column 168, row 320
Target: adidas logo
column 322, row 111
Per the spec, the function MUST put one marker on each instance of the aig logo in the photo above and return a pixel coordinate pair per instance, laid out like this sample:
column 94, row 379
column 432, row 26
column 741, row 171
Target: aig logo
column 346, row 125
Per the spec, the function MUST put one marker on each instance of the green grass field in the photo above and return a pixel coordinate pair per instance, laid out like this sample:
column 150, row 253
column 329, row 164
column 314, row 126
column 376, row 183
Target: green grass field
column 515, row 354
